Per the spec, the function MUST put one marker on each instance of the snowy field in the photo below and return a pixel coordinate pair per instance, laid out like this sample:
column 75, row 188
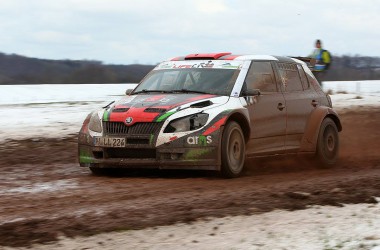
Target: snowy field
column 53, row 110
column 29, row 111
column 346, row 95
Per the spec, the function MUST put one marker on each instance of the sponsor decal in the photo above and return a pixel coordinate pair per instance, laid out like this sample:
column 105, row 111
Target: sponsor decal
column 199, row 140
column 164, row 100
column 155, row 98
column 230, row 66
column 165, row 66
column 209, row 64
column 160, row 99
column 181, row 66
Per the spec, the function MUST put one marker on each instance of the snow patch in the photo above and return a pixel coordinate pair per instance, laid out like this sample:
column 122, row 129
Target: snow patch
column 52, row 186
column 349, row 227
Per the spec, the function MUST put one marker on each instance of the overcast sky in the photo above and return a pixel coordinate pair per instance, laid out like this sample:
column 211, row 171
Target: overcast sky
column 149, row 31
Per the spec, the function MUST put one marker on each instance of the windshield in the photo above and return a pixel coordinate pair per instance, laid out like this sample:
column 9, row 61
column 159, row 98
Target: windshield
column 201, row 80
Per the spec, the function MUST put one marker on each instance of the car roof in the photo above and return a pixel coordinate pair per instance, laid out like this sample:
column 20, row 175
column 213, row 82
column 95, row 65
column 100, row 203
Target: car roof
column 230, row 57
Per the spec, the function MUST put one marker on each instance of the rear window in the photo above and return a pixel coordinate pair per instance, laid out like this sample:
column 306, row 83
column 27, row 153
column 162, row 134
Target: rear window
column 305, row 82
column 290, row 77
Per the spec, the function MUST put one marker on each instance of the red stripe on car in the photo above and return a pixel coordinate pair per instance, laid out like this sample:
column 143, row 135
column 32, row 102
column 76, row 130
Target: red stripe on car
column 215, row 126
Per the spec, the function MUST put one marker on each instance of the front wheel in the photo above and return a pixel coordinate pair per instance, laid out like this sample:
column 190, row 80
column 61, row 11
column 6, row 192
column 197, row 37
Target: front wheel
column 233, row 150
column 328, row 143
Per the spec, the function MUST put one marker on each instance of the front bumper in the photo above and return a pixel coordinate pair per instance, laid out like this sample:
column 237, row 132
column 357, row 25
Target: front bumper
column 203, row 157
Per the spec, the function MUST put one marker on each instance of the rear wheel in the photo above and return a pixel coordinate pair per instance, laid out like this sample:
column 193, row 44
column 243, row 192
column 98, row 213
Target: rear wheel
column 328, row 143
column 233, row 150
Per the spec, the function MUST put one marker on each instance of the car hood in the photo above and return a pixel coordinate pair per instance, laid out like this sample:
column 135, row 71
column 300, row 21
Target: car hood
column 156, row 107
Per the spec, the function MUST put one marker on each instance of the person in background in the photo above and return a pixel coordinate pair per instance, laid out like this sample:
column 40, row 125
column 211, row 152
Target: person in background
column 323, row 60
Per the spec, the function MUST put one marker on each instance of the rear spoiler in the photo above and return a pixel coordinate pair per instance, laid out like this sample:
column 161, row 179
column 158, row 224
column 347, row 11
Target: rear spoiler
column 310, row 62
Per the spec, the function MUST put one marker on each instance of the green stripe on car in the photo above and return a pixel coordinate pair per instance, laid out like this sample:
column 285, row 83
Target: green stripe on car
column 106, row 116
column 164, row 116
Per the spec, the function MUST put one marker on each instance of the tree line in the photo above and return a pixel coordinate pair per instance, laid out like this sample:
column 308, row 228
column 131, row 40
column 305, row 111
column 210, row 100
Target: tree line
column 352, row 68
column 16, row 69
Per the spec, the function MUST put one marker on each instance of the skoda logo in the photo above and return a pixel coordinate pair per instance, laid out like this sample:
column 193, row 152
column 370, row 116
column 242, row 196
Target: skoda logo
column 129, row 120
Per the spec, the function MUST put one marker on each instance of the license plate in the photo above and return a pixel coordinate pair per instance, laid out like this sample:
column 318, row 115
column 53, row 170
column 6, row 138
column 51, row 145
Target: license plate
column 111, row 142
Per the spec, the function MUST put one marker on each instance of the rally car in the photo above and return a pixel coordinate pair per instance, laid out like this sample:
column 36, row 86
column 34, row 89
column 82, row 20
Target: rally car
column 212, row 111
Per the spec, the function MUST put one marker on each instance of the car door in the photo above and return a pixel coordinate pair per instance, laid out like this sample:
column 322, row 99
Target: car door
column 300, row 101
column 267, row 111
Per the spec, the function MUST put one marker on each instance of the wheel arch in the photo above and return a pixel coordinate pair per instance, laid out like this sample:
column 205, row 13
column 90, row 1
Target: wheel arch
column 242, row 120
column 336, row 120
column 310, row 136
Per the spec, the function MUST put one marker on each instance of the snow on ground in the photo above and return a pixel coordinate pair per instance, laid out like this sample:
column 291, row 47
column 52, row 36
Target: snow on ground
column 50, row 110
column 347, row 95
column 342, row 102
column 351, row 227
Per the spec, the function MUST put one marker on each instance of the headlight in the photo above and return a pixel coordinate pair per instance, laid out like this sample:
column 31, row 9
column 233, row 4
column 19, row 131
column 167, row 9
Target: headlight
column 187, row 123
column 95, row 124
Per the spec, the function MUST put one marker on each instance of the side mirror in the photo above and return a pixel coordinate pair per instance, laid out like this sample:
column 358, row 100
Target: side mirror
column 251, row 92
column 128, row 91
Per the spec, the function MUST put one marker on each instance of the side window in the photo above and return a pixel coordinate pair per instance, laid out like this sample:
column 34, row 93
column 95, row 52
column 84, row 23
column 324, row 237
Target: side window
column 290, row 77
column 305, row 82
column 260, row 76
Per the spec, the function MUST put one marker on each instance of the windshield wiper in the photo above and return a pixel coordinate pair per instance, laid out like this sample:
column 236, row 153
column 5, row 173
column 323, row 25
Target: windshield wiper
column 151, row 91
column 190, row 91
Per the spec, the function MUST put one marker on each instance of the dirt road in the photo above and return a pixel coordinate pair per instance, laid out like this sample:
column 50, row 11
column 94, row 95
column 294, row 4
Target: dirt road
column 44, row 194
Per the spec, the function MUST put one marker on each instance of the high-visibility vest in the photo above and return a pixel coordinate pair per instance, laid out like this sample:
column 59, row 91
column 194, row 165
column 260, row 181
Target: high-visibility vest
column 322, row 58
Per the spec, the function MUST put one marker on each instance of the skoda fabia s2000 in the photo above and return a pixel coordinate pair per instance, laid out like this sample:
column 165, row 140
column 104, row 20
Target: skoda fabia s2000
column 211, row 112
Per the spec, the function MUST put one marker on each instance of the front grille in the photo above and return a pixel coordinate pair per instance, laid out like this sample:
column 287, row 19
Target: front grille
column 141, row 128
column 131, row 153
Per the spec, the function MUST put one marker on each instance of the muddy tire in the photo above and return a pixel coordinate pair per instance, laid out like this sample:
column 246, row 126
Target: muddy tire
column 328, row 143
column 233, row 150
